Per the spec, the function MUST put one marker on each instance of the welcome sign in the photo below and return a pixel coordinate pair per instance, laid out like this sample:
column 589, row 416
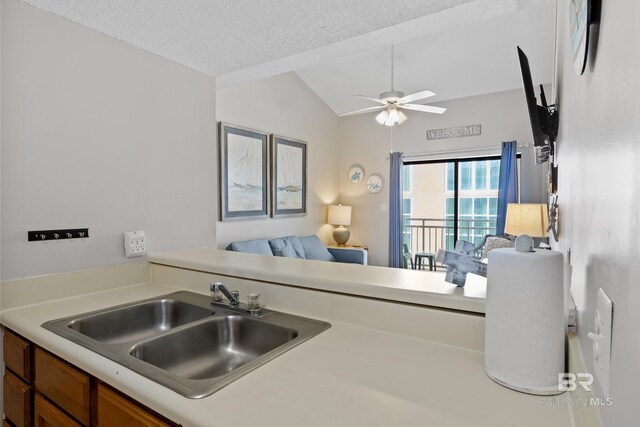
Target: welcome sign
column 455, row 132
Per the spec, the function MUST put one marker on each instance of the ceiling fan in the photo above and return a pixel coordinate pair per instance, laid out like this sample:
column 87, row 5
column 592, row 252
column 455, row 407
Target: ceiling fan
column 393, row 101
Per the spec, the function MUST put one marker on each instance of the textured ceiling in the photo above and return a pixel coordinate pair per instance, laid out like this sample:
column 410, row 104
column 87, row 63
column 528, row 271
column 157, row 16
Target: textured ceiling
column 466, row 60
column 240, row 40
column 220, row 36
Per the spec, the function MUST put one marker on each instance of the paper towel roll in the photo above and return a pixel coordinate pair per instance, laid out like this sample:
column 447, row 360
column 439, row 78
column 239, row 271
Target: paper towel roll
column 524, row 325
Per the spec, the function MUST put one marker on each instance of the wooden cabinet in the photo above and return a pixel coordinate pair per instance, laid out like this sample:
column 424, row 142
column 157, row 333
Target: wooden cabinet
column 17, row 400
column 42, row 390
column 18, row 392
column 17, row 355
column 115, row 410
column 48, row 415
column 64, row 385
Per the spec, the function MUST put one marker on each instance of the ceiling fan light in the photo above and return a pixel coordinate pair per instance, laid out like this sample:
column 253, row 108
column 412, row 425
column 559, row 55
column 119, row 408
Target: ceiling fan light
column 389, row 122
column 382, row 117
column 401, row 117
column 393, row 115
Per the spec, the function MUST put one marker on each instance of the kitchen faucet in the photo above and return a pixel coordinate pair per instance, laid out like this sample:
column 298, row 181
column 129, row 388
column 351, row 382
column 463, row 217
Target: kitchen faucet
column 232, row 296
column 218, row 290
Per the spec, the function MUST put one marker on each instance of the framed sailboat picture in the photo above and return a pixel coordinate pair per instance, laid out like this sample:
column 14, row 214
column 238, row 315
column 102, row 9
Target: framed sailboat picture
column 289, row 176
column 243, row 173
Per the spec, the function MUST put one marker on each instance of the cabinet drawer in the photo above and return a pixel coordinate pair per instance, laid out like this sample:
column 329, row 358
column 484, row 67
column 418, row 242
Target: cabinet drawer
column 63, row 384
column 46, row 414
column 115, row 410
column 17, row 400
column 17, row 355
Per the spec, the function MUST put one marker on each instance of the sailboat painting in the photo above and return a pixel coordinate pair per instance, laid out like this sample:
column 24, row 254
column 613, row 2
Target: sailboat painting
column 289, row 182
column 244, row 191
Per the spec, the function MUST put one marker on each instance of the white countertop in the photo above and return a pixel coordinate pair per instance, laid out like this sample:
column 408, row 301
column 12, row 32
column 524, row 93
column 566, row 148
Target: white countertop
column 412, row 286
column 346, row 376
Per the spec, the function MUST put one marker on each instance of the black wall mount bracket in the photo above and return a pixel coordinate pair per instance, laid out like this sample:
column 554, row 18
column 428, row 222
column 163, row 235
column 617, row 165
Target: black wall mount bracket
column 70, row 233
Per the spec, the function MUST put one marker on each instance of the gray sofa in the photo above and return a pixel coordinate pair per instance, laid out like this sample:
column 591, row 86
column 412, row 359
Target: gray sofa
column 306, row 247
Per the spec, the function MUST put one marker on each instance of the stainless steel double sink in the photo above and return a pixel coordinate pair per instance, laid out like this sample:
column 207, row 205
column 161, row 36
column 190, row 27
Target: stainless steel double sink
column 183, row 342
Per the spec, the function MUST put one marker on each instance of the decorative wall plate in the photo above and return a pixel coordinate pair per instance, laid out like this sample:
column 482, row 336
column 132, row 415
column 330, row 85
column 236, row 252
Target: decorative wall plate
column 579, row 19
column 374, row 183
column 356, row 174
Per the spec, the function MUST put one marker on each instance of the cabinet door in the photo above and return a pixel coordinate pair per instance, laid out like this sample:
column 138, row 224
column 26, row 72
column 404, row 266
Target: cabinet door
column 48, row 415
column 64, row 385
column 17, row 355
column 114, row 410
column 17, row 400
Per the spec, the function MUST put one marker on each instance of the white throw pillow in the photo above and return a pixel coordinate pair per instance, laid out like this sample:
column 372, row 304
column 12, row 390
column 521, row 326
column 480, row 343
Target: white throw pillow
column 495, row 243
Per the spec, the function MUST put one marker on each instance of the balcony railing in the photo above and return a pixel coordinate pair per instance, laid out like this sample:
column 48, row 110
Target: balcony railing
column 431, row 234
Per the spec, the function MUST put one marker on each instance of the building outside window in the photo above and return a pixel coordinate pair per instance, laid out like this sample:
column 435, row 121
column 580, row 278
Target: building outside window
column 478, row 200
column 406, row 204
column 406, row 216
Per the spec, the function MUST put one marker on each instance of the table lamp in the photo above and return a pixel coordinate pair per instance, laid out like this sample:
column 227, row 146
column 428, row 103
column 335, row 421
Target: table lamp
column 526, row 220
column 340, row 215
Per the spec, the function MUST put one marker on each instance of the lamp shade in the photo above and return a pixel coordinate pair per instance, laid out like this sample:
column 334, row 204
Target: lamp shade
column 382, row 117
column 339, row 215
column 401, row 117
column 527, row 218
column 391, row 116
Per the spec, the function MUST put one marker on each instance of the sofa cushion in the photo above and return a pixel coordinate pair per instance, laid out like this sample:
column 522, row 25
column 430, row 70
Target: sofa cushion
column 315, row 249
column 257, row 246
column 289, row 246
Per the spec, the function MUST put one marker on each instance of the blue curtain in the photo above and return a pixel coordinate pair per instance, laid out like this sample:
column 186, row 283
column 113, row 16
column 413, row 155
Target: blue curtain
column 508, row 184
column 395, row 211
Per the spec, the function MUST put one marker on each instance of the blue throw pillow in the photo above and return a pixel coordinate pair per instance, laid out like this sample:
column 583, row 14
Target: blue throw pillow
column 257, row 246
column 315, row 249
column 287, row 247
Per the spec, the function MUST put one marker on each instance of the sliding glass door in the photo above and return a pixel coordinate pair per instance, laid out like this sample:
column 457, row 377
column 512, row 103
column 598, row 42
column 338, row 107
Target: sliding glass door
column 447, row 200
column 476, row 193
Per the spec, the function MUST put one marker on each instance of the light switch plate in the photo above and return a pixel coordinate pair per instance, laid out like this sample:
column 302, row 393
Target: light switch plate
column 603, row 322
column 135, row 244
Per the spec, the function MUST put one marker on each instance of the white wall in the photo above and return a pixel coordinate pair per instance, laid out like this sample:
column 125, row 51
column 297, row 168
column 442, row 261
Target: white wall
column 97, row 133
column 503, row 117
column 599, row 191
column 284, row 105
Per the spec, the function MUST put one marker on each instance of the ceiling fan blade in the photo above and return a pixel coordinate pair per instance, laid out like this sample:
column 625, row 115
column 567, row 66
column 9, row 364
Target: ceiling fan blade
column 379, row 101
column 424, row 108
column 415, row 96
column 363, row 110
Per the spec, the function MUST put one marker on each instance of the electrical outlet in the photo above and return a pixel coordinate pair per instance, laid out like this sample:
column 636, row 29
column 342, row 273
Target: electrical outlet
column 134, row 244
column 603, row 322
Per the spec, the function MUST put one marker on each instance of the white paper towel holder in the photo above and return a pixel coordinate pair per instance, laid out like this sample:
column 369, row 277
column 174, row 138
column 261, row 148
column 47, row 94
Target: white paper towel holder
column 533, row 364
column 524, row 243
column 538, row 391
